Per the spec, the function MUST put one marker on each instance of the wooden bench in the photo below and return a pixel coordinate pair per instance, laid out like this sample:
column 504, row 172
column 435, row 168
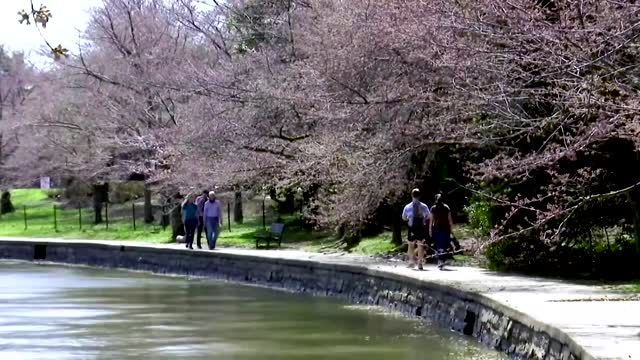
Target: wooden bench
column 274, row 234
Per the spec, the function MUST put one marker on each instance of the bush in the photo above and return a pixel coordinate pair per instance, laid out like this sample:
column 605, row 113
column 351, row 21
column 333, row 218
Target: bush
column 77, row 192
column 481, row 216
column 6, row 206
column 586, row 257
column 516, row 254
column 121, row 192
column 55, row 194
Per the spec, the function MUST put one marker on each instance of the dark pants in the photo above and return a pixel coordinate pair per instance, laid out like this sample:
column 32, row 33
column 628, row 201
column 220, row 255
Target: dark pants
column 190, row 226
column 442, row 240
column 200, row 229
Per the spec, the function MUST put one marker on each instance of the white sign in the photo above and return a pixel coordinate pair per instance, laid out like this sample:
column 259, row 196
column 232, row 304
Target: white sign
column 45, row 183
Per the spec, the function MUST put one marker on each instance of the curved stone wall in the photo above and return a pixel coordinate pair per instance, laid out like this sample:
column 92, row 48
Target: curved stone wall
column 492, row 323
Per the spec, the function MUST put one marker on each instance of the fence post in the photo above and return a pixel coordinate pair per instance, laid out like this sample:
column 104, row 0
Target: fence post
column 106, row 214
column 24, row 212
column 55, row 218
column 264, row 225
column 133, row 215
column 80, row 217
column 229, row 216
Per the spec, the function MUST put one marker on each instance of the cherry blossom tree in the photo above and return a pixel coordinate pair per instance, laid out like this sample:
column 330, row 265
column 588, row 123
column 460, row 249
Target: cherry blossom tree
column 353, row 102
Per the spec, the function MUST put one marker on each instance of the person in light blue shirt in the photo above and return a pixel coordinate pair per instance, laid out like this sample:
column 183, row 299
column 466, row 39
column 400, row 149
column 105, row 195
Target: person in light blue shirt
column 416, row 214
column 212, row 214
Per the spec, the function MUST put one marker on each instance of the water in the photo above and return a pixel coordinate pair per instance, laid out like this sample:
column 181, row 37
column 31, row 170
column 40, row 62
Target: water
column 57, row 312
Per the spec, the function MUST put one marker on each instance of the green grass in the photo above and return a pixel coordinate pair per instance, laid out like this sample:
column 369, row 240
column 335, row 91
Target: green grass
column 626, row 287
column 243, row 235
column 29, row 197
column 295, row 237
column 40, row 221
column 633, row 288
column 379, row 244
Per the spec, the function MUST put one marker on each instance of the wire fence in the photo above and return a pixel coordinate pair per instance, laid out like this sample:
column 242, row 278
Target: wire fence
column 60, row 217
column 129, row 216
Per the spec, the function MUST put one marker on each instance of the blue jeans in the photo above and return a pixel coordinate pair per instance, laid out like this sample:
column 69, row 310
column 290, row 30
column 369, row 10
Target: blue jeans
column 442, row 239
column 212, row 223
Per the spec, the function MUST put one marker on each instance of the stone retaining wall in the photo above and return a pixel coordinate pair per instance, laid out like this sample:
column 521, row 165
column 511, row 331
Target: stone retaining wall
column 494, row 324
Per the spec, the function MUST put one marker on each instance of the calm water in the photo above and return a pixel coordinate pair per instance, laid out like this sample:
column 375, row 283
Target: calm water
column 56, row 312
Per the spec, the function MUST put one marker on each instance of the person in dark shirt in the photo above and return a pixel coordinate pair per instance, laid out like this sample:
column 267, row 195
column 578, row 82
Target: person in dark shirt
column 441, row 229
column 189, row 219
column 200, row 201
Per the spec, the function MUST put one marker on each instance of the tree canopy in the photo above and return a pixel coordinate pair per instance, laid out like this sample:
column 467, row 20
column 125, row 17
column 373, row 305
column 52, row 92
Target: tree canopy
column 354, row 101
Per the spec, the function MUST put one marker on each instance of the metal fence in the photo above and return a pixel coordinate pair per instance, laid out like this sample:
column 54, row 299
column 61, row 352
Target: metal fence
column 60, row 217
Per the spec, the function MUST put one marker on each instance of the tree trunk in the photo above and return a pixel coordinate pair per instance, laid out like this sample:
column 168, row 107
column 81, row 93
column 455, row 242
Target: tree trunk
column 97, row 203
column 348, row 238
column 148, row 208
column 237, row 208
column 177, row 227
column 396, row 224
column 289, row 202
column 634, row 201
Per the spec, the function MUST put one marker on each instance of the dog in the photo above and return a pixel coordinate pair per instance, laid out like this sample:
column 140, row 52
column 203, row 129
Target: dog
column 180, row 239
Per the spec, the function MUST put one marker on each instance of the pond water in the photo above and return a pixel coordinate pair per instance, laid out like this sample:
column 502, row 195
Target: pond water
column 58, row 312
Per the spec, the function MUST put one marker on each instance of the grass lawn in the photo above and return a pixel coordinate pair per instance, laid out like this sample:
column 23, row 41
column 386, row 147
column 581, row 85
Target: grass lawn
column 70, row 223
column 632, row 288
column 243, row 235
column 40, row 223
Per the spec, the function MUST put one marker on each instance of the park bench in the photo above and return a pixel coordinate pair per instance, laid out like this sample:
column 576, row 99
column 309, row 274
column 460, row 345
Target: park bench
column 274, row 234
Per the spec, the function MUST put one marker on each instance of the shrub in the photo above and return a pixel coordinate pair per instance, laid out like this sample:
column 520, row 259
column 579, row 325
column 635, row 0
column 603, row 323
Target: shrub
column 77, row 192
column 516, row 254
column 481, row 216
column 55, row 194
column 6, row 206
column 121, row 192
column 585, row 257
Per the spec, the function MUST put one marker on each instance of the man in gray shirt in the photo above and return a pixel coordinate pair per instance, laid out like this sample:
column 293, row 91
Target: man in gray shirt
column 212, row 214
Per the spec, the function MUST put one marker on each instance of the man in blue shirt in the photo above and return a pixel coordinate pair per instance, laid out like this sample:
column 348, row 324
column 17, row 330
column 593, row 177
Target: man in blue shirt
column 416, row 214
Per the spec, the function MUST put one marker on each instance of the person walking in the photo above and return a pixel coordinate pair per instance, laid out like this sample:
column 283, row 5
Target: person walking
column 200, row 201
column 189, row 219
column 212, row 219
column 416, row 214
column 441, row 229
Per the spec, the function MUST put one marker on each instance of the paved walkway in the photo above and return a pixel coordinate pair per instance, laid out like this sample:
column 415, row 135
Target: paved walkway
column 604, row 322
